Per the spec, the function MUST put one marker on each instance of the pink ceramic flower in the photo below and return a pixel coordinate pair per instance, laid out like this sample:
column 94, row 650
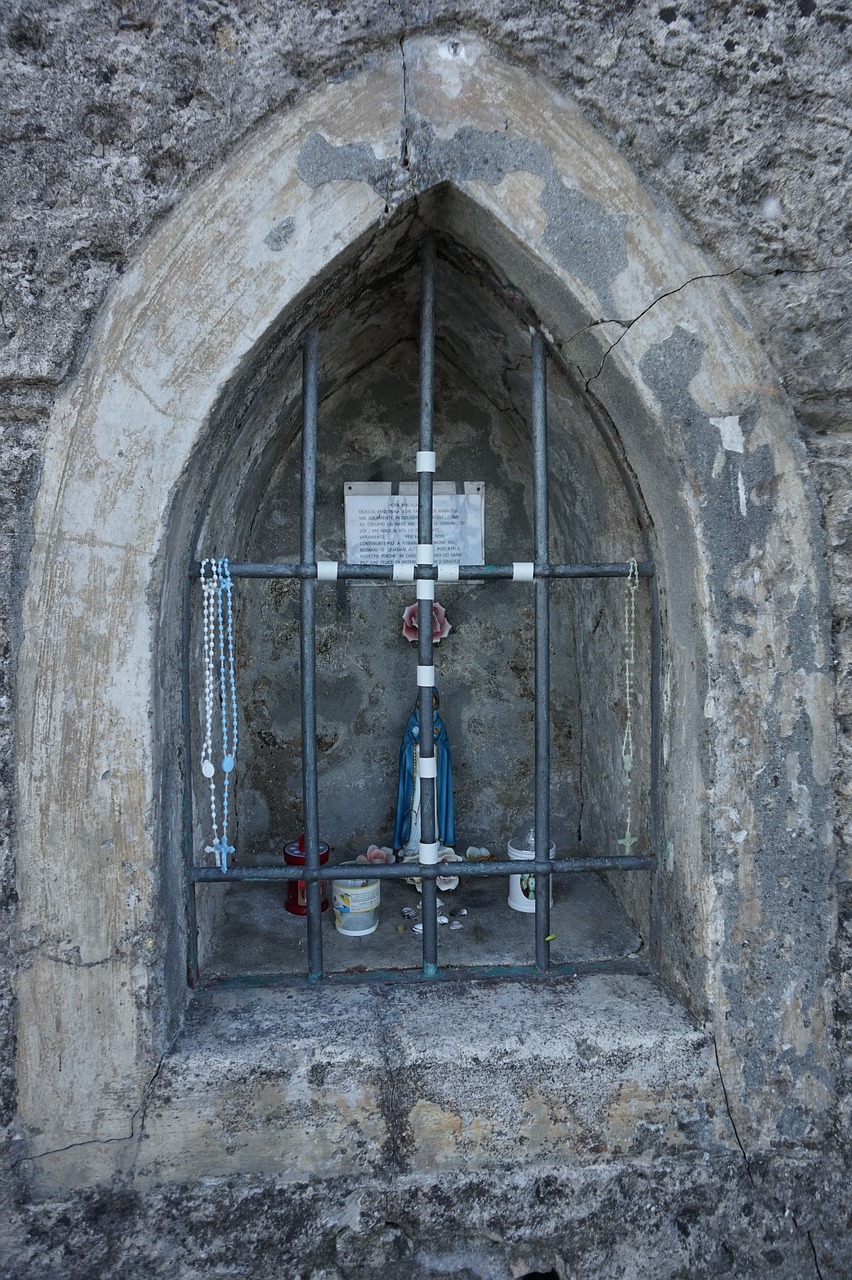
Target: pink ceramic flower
column 376, row 854
column 440, row 626
column 446, row 883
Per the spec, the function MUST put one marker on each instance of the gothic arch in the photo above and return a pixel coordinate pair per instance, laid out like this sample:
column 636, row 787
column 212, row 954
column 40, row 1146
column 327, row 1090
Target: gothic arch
column 180, row 351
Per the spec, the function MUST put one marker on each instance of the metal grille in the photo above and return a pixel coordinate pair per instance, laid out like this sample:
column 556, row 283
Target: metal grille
column 542, row 572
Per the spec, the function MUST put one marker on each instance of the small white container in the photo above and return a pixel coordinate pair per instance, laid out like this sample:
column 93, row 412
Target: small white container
column 522, row 887
column 356, row 906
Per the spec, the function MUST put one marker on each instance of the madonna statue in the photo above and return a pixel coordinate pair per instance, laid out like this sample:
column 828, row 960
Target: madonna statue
column 407, row 832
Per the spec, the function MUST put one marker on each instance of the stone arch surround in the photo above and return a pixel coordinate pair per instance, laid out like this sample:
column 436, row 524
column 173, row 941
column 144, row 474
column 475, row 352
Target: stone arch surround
column 743, row 890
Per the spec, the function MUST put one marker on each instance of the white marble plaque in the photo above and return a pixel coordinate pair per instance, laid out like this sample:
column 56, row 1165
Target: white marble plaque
column 381, row 526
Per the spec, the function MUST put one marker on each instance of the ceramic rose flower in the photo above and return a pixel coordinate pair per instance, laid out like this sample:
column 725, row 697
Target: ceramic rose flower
column 446, row 883
column 440, row 626
column 377, row 855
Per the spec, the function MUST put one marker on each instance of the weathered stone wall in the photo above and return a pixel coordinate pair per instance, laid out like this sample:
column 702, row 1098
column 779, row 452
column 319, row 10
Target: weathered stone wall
column 736, row 116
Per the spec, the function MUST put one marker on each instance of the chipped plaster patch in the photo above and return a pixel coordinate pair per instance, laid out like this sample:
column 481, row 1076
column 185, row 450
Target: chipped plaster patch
column 793, row 1022
column 731, row 433
column 280, row 235
column 453, row 57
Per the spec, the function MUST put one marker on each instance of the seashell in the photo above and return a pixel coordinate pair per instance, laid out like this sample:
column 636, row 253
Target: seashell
column 477, row 853
column 458, row 911
column 409, row 913
column 456, row 924
column 443, row 919
column 418, row 927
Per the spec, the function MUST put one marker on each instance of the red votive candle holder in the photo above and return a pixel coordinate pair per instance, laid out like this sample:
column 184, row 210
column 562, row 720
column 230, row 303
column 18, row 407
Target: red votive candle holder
column 296, row 901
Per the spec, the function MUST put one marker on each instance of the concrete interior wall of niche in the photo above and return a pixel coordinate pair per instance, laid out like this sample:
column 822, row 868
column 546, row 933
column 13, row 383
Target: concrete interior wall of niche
column 367, row 429
column 185, row 359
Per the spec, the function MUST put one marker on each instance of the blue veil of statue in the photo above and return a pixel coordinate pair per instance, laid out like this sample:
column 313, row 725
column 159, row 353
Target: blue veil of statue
column 444, row 763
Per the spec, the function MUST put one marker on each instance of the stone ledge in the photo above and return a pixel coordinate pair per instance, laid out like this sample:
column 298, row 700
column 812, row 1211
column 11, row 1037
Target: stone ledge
column 690, row 1215
column 391, row 1080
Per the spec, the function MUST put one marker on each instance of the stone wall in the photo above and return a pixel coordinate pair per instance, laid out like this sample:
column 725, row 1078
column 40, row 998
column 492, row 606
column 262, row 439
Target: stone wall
column 737, row 117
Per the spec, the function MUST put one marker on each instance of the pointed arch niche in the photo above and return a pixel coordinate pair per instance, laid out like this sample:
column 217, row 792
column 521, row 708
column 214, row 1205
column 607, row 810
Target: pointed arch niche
column 369, row 394
column 178, row 433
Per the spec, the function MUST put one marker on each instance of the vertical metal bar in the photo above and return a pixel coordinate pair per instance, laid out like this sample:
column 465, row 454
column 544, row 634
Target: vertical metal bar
column 307, row 627
column 656, row 716
column 186, row 714
column 425, row 654
column 656, row 757
column 542, row 656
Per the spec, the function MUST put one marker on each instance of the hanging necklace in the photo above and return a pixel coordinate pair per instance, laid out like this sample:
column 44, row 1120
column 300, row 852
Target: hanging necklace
column 210, row 591
column 218, row 622
column 631, row 588
column 228, row 698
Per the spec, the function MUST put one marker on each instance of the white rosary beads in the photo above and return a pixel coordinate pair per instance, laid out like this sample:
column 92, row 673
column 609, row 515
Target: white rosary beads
column 631, row 588
column 218, row 617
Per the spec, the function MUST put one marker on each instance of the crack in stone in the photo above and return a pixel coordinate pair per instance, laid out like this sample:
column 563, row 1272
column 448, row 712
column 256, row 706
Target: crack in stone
column 813, row 1251
column 141, row 1111
column 406, row 124
column 730, row 1115
column 388, row 1094
column 781, row 1206
column 627, row 325
column 72, row 964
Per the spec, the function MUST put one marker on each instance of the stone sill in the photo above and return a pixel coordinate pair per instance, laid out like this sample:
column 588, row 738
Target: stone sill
column 257, row 937
column 376, row 1080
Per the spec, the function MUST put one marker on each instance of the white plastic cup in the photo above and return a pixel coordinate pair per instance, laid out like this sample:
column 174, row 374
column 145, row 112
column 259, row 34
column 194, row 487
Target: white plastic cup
column 356, row 906
column 522, row 887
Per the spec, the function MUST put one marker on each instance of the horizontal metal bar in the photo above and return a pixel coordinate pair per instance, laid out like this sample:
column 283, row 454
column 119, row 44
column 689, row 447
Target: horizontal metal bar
column 467, row 572
column 406, row 870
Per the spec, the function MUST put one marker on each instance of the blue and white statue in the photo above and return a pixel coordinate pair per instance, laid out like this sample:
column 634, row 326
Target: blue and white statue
column 407, row 832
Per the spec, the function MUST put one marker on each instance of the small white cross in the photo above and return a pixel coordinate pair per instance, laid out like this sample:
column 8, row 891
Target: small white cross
column 628, row 842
